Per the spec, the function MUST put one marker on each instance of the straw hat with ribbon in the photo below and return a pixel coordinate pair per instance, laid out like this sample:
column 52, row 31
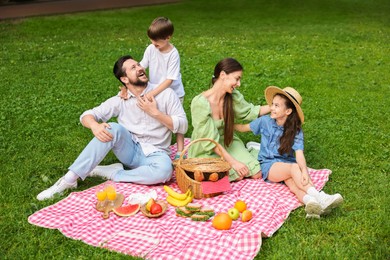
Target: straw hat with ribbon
column 290, row 93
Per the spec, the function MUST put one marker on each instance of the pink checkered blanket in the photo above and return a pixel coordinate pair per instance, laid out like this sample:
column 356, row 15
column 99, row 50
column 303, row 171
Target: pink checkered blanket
column 173, row 237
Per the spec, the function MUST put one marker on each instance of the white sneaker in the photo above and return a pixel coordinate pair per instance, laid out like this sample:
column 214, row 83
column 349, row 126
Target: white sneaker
column 313, row 216
column 329, row 202
column 313, row 209
column 58, row 187
column 253, row 145
column 106, row 171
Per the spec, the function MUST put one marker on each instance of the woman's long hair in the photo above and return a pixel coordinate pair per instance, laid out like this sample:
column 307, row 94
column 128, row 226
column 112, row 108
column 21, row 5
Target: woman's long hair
column 291, row 127
column 228, row 65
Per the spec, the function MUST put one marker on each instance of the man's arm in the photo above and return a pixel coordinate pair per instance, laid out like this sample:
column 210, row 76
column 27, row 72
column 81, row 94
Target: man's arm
column 98, row 129
column 149, row 105
column 168, row 111
column 105, row 111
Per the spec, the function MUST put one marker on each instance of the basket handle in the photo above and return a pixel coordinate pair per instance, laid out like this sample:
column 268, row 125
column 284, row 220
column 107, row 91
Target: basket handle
column 195, row 141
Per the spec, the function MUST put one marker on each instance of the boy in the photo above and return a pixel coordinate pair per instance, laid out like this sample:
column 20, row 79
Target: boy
column 163, row 61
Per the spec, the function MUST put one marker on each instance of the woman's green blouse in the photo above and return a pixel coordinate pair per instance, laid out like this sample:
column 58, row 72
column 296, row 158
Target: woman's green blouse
column 204, row 126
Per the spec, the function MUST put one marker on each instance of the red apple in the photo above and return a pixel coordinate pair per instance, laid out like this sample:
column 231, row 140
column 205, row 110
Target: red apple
column 155, row 208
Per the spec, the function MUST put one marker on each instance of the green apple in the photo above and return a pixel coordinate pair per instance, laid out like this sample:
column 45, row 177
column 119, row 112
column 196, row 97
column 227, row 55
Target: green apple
column 234, row 213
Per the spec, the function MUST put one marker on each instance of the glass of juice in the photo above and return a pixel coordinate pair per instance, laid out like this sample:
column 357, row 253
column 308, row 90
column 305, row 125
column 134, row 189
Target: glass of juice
column 101, row 196
column 111, row 192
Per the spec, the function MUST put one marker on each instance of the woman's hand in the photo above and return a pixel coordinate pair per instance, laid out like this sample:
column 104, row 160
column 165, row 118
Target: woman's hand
column 101, row 133
column 240, row 168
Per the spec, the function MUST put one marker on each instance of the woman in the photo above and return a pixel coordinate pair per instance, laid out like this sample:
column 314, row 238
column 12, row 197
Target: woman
column 213, row 114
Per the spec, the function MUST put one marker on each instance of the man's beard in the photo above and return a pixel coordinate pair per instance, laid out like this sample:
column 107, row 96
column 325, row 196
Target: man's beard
column 138, row 83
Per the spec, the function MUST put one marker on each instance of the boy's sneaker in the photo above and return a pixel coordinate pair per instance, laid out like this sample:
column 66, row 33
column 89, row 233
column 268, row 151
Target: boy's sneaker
column 253, row 145
column 58, row 187
column 106, row 171
column 329, row 202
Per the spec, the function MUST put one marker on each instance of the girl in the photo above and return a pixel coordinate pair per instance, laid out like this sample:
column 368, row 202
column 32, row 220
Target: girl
column 281, row 153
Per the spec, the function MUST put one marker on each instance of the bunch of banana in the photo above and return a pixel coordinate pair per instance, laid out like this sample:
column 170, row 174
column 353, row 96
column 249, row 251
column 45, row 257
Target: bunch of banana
column 177, row 199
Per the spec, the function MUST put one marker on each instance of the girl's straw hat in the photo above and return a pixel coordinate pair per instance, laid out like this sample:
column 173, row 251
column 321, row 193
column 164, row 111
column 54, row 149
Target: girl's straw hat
column 290, row 93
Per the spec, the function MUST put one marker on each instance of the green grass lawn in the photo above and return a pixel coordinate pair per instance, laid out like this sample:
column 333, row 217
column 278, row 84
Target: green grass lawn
column 335, row 53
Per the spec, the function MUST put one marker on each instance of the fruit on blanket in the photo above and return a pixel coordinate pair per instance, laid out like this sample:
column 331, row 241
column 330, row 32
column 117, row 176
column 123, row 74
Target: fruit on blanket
column 234, row 213
column 126, row 211
column 155, row 208
column 149, row 204
column 246, row 215
column 176, row 195
column 179, row 203
column 240, row 205
column 222, row 221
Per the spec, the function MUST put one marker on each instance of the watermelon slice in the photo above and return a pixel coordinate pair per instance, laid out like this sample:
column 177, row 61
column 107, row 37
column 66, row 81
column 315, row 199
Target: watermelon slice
column 126, row 211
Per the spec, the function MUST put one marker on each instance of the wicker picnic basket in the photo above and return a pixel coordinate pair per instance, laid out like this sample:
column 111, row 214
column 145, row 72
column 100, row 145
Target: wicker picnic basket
column 191, row 171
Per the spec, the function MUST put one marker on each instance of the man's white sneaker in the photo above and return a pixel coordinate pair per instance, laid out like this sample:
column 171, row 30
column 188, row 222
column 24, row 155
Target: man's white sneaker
column 329, row 202
column 58, row 187
column 253, row 145
column 313, row 208
column 106, row 171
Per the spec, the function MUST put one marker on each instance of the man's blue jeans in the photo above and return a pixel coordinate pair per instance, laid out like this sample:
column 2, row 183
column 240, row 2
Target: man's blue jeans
column 152, row 169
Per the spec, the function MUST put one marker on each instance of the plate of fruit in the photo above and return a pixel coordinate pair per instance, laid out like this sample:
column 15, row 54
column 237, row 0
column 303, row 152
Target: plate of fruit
column 154, row 208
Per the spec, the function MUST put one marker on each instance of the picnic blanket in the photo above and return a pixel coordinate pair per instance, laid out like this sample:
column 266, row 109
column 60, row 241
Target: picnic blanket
column 173, row 237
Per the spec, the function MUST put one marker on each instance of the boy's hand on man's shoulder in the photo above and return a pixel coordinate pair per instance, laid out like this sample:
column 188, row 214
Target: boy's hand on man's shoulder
column 123, row 93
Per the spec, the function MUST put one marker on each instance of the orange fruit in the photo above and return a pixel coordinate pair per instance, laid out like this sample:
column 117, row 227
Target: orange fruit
column 240, row 205
column 222, row 221
column 246, row 215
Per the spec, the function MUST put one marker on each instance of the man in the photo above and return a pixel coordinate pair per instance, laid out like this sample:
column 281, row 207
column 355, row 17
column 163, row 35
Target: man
column 140, row 139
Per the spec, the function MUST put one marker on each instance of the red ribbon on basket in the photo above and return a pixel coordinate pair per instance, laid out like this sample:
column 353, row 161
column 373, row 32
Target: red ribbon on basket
column 209, row 187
